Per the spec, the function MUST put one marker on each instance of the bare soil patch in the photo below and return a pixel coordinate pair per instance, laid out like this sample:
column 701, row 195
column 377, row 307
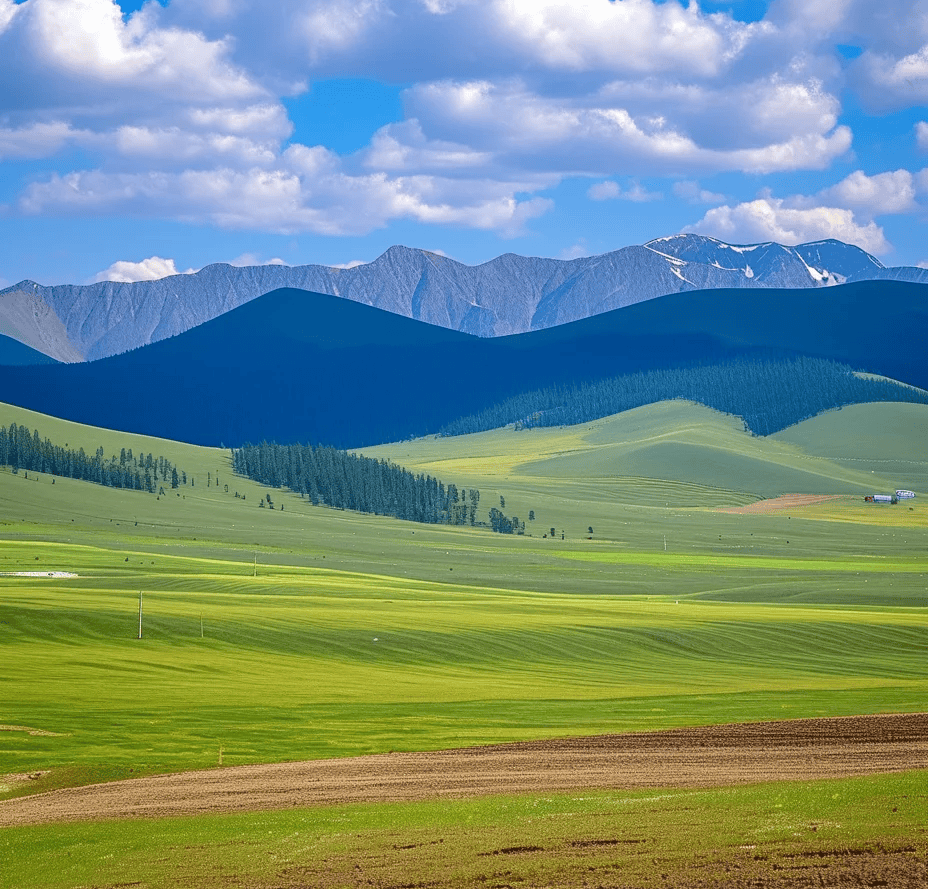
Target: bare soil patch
column 784, row 503
column 707, row 756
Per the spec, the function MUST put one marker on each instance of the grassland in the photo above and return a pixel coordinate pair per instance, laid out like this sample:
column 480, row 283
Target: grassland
column 326, row 633
column 864, row 831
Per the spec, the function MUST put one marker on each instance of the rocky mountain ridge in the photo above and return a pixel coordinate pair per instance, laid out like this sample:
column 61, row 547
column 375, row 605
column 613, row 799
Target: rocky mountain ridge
column 507, row 295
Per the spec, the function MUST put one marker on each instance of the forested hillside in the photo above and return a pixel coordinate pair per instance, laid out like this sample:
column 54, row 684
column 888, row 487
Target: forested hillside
column 768, row 395
column 296, row 366
column 25, row 450
column 349, row 481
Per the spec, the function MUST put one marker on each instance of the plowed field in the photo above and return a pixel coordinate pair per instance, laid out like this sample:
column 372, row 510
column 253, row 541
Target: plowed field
column 689, row 757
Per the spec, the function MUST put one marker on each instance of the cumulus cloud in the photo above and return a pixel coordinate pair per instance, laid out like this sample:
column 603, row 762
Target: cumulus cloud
column 888, row 82
column 691, row 191
column 598, row 134
column 892, row 192
column 577, row 251
column 180, row 106
column 844, row 211
column 773, row 219
column 253, row 259
column 301, row 198
column 921, row 135
column 635, row 35
column 611, row 190
column 39, row 140
column 457, row 36
column 85, row 53
column 150, row 269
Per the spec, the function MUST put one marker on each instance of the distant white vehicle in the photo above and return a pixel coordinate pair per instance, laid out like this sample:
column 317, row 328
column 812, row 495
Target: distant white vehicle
column 883, row 498
column 904, row 495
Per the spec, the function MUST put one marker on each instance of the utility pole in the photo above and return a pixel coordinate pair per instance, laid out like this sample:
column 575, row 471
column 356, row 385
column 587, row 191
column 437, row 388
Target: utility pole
column 140, row 614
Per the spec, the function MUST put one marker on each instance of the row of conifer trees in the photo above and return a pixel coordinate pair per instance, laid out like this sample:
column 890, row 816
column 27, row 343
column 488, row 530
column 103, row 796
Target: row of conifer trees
column 22, row 449
column 350, row 481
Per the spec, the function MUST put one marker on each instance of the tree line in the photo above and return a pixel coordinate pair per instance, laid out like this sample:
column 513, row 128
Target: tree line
column 768, row 395
column 325, row 475
column 22, row 449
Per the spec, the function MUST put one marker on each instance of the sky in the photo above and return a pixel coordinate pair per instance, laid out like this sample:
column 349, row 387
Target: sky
column 145, row 139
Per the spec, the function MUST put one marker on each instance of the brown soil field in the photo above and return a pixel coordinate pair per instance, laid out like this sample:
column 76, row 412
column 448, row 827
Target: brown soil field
column 785, row 502
column 709, row 756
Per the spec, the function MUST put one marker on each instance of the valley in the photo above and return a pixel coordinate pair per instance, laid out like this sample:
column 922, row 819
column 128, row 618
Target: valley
column 276, row 636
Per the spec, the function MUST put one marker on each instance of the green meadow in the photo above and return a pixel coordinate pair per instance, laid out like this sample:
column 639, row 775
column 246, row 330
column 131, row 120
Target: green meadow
column 302, row 632
column 853, row 832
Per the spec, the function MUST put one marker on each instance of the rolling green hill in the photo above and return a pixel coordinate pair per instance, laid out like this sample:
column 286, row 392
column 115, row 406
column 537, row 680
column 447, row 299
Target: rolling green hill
column 274, row 635
column 326, row 632
column 678, row 453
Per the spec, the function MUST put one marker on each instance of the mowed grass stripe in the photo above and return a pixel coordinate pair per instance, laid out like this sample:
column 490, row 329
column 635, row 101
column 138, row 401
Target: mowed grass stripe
column 881, row 564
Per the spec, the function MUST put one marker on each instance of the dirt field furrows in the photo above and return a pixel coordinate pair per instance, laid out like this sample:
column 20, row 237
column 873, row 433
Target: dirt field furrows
column 690, row 757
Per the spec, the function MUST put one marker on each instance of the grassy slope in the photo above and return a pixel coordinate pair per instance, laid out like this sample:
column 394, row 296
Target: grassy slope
column 741, row 617
column 848, row 833
column 475, row 639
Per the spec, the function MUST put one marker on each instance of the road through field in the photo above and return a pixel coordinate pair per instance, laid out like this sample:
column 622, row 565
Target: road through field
column 689, row 757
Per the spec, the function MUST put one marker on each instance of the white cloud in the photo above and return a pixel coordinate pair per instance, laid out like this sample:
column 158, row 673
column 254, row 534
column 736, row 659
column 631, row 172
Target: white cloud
column 892, row 192
column 604, row 191
column 174, row 147
column 83, row 53
column 895, row 82
column 265, row 119
column 320, row 198
column 353, row 264
column 253, row 259
column 8, row 10
column 922, row 265
column 773, row 219
column 691, row 191
column 610, row 190
column 39, row 140
column 404, row 147
column 921, row 135
column 332, row 26
column 464, row 38
column 150, row 269
column 576, row 252
column 179, row 106
column 599, row 135
column 634, row 35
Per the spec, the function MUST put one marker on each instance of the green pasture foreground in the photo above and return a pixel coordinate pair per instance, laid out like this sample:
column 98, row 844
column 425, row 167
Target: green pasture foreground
column 852, row 832
column 365, row 634
column 304, row 661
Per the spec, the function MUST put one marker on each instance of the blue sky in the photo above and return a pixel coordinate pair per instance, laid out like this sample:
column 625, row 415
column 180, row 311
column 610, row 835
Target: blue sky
column 139, row 139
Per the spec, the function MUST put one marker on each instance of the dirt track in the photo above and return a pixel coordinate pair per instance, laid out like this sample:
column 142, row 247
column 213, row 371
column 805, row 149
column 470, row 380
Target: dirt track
column 691, row 757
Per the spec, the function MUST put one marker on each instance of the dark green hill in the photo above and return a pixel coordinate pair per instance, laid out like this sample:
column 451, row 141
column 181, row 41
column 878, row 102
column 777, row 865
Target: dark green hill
column 300, row 366
column 13, row 352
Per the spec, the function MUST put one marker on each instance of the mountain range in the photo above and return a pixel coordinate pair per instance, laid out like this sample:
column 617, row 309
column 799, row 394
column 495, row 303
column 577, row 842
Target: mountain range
column 508, row 295
column 299, row 366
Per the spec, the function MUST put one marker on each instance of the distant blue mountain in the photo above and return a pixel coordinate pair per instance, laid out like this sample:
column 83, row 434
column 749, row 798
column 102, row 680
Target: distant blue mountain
column 300, row 366
column 510, row 294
